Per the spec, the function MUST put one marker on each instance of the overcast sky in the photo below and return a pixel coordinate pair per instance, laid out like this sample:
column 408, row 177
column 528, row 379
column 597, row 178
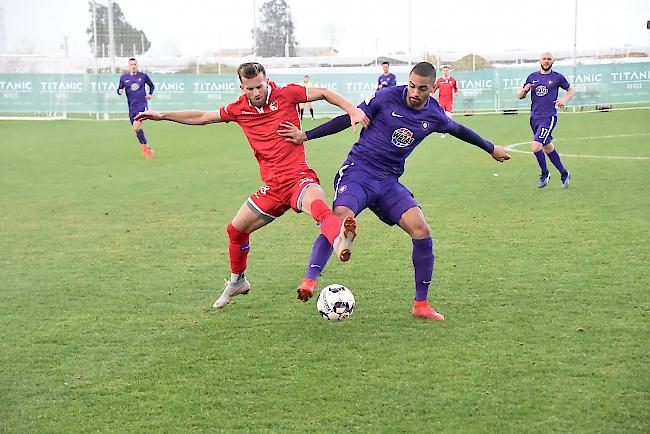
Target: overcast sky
column 193, row 27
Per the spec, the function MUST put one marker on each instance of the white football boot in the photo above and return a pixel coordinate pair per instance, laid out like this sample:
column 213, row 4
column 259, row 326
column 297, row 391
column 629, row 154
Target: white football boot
column 343, row 242
column 230, row 290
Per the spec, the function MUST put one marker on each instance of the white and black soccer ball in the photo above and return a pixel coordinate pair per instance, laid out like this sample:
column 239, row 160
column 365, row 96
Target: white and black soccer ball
column 335, row 302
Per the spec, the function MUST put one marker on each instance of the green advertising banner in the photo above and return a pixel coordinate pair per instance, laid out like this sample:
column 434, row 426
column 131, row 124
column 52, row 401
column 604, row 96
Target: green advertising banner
column 487, row 90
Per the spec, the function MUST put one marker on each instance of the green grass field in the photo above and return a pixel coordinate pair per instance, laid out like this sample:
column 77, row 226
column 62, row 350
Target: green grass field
column 109, row 265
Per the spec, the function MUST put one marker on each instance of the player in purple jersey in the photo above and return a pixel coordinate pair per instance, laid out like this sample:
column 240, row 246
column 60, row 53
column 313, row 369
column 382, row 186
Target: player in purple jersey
column 546, row 84
column 400, row 118
column 133, row 84
column 387, row 79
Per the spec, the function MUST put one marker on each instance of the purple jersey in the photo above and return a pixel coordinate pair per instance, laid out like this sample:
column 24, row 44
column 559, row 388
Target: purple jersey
column 395, row 130
column 544, row 92
column 133, row 85
column 386, row 80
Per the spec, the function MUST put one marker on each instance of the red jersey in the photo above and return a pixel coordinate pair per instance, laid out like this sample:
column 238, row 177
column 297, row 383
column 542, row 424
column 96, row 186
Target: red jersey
column 275, row 156
column 447, row 88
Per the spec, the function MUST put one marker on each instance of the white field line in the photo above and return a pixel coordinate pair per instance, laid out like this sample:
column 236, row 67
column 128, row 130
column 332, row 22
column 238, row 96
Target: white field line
column 511, row 147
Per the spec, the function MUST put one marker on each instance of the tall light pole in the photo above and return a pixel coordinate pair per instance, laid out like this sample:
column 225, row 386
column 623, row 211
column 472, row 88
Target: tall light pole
column 254, row 29
column 575, row 33
column 111, row 36
column 647, row 26
column 409, row 32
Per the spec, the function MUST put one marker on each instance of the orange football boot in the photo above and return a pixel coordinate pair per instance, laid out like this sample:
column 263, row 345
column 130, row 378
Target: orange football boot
column 421, row 309
column 306, row 289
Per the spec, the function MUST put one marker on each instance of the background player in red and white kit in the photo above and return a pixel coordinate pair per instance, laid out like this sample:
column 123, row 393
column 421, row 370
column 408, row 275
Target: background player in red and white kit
column 289, row 182
column 447, row 89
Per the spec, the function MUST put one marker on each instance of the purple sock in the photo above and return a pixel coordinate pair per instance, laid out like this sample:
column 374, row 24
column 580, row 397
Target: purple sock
column 141, row 138
column 320, row 254
column 555, row 159
column 423, row 259
column 541, row 160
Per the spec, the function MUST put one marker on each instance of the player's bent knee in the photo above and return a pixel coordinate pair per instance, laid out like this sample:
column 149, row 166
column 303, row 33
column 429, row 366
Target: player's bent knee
column 420, row 232
column 342, row 212
column 536, row 147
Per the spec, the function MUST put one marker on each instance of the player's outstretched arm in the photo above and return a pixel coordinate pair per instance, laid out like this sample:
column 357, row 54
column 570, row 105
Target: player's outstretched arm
column 465, row 134
column 187, row 117
column 356, row 114
column 295, row 136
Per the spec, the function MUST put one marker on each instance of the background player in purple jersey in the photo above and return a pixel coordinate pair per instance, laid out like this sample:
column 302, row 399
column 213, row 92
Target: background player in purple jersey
column 400, row 118
column 386, row 79
column 543, row 115
column 133, row 83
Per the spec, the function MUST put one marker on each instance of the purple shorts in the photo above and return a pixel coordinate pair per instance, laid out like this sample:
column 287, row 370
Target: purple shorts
column 134, row 113
column 358, row 188
column 543, row 126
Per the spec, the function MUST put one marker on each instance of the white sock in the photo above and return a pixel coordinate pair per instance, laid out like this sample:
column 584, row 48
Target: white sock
column 236, row 277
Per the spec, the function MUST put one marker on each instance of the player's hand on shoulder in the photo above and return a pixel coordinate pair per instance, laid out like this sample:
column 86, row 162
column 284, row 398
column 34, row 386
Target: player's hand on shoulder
column 291, row 133
column 500, row 154
column 148, row 114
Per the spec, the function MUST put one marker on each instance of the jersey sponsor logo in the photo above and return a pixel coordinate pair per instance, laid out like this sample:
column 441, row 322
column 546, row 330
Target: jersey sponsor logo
column 541, row 90
column 135, row 86
column 402, row 137
column 305, row 180
column 274, row 105
column 244, row 112
column 396, row 115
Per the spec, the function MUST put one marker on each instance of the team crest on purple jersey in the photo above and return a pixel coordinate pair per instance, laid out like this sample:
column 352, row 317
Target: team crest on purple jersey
column 425, row 125
column 541, row 90
column 402, row 137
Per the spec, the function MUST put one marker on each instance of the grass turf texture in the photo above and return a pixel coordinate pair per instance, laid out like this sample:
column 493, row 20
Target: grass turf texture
column 110, row 263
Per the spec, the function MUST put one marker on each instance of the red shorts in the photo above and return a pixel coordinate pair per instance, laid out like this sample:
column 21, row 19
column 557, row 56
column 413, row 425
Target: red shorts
column 284, row 192
column 447, row 105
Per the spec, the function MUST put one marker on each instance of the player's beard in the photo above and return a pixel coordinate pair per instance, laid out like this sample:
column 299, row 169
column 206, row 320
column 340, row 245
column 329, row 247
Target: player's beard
column 546, row 69
column 259, row 103
column 415, row 102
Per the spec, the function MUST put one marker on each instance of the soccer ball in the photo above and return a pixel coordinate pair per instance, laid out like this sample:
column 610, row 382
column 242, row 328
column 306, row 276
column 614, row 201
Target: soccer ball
column 335, row 302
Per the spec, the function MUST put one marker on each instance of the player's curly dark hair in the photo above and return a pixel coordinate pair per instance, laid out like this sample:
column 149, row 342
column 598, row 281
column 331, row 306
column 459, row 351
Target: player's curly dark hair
column 425, row 69
column 250, row 70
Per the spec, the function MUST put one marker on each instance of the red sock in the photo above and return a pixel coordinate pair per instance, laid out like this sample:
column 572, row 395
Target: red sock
column 238, row 248
column 330, row 225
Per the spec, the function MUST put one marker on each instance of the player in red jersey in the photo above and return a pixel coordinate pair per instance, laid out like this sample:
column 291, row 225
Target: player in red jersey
column 289, row 182
column 447, row 89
